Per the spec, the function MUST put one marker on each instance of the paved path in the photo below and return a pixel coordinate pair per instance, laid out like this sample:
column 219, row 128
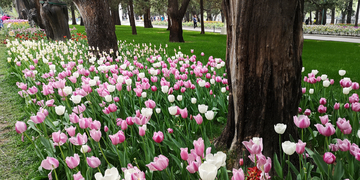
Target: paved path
column 350, row 39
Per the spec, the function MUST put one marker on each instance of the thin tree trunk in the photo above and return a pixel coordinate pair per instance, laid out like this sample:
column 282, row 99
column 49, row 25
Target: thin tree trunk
column 264, row 72
column 187, row 18
column 349, row 12
column 323, row 16
column 169, row 23
column 99, row 28
column 343, row 14
column 310, row 19
column 333, row 16
column 357, row 14
column 202, row 16
column 81, row 21
column 316, row 17
column 73, row 18
column 131, row 18
column 147, row 18
column 115, row 15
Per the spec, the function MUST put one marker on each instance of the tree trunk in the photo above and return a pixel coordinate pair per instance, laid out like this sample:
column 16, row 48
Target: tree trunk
column 323, row 17
column 147, row 17
column 316, row 17
column 73, row 18
column 99, row 29
column 176, row 14
column 333, row 16
column 357, row 14
column 187, row 16
column 208, row 14
column 343, row 14
column 131, row 18
column 81, row 21
column 202, row 16
column 169, row 23
column 263, row 61
column 310, row 19
column 349, row 12
column 54, row 15
column 22, row 7
column 115, row 15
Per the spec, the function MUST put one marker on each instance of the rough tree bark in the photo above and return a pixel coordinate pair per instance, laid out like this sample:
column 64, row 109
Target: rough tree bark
column 147, row 17
column 22, row 8
column 54, row 15
column 100, row 31
column 115, row 15
column 333, row 16
column 81, row 21
column 310, row 19
column 73, row 18
column 202, row 16
column 349, row 12
column 263, row 61
column 131, row 17
column 176, row 14
column 357, row 14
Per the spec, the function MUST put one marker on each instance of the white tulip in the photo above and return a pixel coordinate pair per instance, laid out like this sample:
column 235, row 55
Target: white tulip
column 131, row 68
column 179, row 97
column 120, row 79
column 141, row 75
column 202, row 108
column 158, row 110
column 164, row 89
column 218, row 159
column 110, row 174
column 358, row 133
column 67, row 90
column 171, row 98
column 92, row 82
column 324, row 77
column 288, row 147
column 280, row 128
column 346, row 90
column 227, row 97
column 147, row 112
column 201, row 83
column 173, row 110
column 76, row 99
column 314, row 71
column 108, row 98
column 128, row 82
column 60, row 110
column 193, row 100
column 207, row 171
column 76, row 74
column 80, row 66
column 52, row 67
column 143, row 94
column 84, row 148
column 209, row 115
column 123, row 66
column 326, row 83
column 311, row 91
column 342, row 72
column 223, row 89
column 302, row 69
column 45, row 61
column 111, row 88
column 212, row 81
column 96, row 78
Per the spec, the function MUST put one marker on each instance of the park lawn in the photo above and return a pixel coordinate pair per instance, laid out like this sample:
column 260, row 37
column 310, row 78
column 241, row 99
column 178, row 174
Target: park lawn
column 326, row 56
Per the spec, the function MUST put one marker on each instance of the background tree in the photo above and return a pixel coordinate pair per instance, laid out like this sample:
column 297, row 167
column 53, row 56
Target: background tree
column 202, row 16
column 114, row 8
column 350, row 12
column 321, row 7
column 357, row 14
column 263, row 61
column 100, row 31
column 176, row 13
column 130, row 10
column 73, row 17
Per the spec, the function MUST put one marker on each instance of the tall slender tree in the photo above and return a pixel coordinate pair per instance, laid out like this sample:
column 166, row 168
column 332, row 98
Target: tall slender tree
column 72, row 9
column 131, row 17
column 202, row 16
column 357, row 14
column 147, row 15
column 263, row 61
column 349, row 12
column 176, row 14
column 99, row 28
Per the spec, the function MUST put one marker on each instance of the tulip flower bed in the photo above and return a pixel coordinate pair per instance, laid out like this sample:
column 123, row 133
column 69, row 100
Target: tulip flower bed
column 331, row 30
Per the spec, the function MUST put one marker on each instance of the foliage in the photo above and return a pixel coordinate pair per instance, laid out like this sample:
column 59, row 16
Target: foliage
column 207, row 24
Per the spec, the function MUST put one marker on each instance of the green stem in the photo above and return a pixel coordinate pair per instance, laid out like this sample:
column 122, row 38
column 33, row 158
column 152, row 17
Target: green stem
column 55, row 175
column 62, row 152
column 103, row 153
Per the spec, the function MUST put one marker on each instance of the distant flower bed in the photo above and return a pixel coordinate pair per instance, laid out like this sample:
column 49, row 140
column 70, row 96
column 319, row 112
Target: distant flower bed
column 207, row 24
column 331, row 30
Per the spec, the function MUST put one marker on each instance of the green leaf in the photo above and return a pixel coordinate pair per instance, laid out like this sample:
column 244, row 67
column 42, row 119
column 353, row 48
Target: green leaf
column 177, row 160
column 339, row 171
column 224, row 174
column 293, row 167
column 39, row 178
column 322, row 166
column 277, row 167
column 48, row 146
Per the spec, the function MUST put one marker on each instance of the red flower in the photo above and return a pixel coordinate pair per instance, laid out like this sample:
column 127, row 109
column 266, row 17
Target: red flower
column 253, row 173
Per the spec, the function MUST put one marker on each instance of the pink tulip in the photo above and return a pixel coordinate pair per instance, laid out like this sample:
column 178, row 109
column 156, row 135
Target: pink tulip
column 355, row 86
column 116, row 99
column 183, row 113
column 159, row 164
column 78, row 176
column 20, row 127
column 184, row 154
column 343, row 145
column 238, row 174
column 322, row 101
column 39, row 118
column 50, row 163
column 347, row 106
column 307, row 112
column 241, row 161
column 71, row 131
column 79, row 139
column 124, row 125
column 344, row 125
column 117, row 138
column 329, row 158
column 199, row 147
column 302, row 121
column 328, row 130
column 158, row 137
column 112, row 107
column 95, row 134
column 32, row 90
column 93, row 162
column 336, row 106
column 95, row 125
column 322, row 109
column 299, row 110
column 74, row 118
column 106, row 129
column 59, row 138
column 142, row 130
column 354, row 98
column 198, row 118
column 85, row 123
column 150, row 104
column 252, row 147
column 355, row 107
column 193, row 166
column 300, row 147
column 73, row 162
column 333, row 147
column 129, row 121
column 170, row 130
column 21, row 85
column 303, row 90
column 324, row 119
